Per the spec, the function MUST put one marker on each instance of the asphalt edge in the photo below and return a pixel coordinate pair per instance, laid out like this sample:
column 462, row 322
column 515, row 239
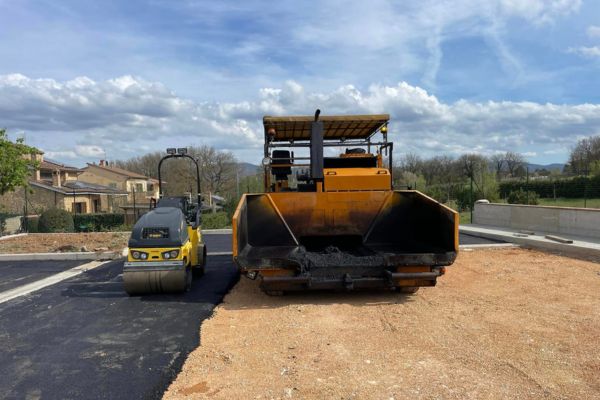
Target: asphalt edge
column 71, row 256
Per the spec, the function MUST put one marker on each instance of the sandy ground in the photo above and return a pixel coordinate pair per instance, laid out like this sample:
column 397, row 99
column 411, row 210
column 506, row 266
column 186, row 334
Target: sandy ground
column 57, row 242
column 502, row 324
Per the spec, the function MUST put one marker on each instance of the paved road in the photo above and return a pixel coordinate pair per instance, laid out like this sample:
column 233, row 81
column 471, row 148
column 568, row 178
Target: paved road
column 85, row 338
column 19, row 273
column 217, row 242
column 468, row 239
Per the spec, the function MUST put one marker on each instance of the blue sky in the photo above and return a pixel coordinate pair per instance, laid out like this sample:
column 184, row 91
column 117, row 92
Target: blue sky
column 81, row 79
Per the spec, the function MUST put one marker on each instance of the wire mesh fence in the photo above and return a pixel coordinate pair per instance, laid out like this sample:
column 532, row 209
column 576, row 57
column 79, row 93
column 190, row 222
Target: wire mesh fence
column 461, row 195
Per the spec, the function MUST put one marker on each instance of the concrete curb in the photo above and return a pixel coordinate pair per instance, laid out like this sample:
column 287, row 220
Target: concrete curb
column 73, row 256
column 16, row 235
column 216, row 231
column 487, row 246
column 577, row 249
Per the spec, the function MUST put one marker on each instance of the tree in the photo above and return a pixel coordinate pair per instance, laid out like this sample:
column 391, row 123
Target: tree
column 411, row 162
column 513, row 162
column 583, row 156
column 218, row 171
column 498, row 161
column 476, row 167
column 17, row 161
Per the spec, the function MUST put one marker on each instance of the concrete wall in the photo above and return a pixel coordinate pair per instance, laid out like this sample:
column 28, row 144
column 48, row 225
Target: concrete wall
column 560, row 220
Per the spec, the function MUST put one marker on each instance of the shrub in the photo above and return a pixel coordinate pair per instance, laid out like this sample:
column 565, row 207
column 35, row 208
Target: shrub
column 98, row 222
column 56, row 220
column 31, row 224
column 215, row 221
column 2, row 223
column 522, row 197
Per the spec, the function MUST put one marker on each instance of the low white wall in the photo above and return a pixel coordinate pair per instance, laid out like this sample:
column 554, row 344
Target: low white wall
column 562, row 220
column 12, row 225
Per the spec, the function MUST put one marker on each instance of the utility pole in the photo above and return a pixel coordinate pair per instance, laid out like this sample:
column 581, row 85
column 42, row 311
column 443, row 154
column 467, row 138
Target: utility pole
column 134, row 208
column 471, row 198
column 527, row 182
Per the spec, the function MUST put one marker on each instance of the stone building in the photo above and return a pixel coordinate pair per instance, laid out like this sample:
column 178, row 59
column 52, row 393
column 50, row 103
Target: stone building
column 56, row 185
column 140, row 189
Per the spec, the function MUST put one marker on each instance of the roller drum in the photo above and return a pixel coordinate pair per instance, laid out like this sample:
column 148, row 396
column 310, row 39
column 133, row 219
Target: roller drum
column 149, row 282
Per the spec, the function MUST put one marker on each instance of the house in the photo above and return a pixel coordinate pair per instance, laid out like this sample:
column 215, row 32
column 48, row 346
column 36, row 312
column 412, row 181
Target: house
column 56, row 185
column 140, row 188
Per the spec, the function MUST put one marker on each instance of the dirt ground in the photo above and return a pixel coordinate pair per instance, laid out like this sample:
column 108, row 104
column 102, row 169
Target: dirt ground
column 62, row 242
column 502, row 324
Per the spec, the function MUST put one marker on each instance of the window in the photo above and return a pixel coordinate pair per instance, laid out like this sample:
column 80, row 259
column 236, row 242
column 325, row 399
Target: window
column 112, row 185
column 139, row 187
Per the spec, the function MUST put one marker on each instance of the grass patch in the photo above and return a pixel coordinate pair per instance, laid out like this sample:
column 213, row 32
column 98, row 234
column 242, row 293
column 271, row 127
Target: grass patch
column 465, row 217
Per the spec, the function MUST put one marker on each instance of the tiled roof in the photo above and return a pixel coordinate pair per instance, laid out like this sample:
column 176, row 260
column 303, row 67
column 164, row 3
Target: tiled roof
column 53, row 165
column 120, row 171
column 79, row 187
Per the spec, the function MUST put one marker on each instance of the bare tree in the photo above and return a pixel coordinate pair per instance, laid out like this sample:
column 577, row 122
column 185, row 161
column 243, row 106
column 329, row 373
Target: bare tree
column 513, row 162
column 218, row 168
column 473, row 165
column 411, row 162
column 218, row 171
column 498, row 162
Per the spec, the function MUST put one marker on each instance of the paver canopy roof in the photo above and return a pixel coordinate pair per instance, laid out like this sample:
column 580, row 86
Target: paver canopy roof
column 335, row 126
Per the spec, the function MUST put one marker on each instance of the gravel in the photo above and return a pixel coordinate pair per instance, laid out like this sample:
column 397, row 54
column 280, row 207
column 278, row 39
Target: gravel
column 502, row 324
column 65, row 242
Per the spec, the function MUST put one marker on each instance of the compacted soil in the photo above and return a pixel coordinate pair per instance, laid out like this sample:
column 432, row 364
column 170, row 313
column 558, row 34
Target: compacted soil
column 502, row 324
column 65, row 242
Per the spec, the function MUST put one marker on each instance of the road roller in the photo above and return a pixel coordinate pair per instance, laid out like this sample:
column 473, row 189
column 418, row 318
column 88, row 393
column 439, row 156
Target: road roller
column 165, row 248
column 330, row 218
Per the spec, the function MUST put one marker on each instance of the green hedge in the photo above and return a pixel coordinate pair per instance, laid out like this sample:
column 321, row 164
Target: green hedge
column 522, row 197
column 98, row 222
column 56, row 220
column 573, row 188
column 31, row 224
column 218, row 220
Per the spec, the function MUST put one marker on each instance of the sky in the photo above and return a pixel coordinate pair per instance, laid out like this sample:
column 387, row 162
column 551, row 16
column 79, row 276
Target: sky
column 89, row 80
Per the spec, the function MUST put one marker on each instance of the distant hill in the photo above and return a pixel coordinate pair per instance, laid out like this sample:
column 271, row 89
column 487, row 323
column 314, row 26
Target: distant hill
column 549, row 167
column 247, row 169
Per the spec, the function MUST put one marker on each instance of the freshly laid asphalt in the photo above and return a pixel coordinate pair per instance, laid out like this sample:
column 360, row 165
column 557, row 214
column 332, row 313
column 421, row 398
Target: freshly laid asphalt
column 18, row 273
column 469, row 239
column 86, row 338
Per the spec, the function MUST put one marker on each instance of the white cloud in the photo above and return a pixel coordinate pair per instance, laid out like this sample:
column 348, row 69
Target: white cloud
column 60, row 155
column 82, row 118
column 593, row 31
column 89, row 151
column 589, row 52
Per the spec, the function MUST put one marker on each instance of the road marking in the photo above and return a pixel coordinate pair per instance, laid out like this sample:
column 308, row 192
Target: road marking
column 51, row 280
column 220, row 253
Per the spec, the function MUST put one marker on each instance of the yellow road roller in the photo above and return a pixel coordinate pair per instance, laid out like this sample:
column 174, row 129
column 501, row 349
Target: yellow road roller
column 334, row 221
column 166, row 248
